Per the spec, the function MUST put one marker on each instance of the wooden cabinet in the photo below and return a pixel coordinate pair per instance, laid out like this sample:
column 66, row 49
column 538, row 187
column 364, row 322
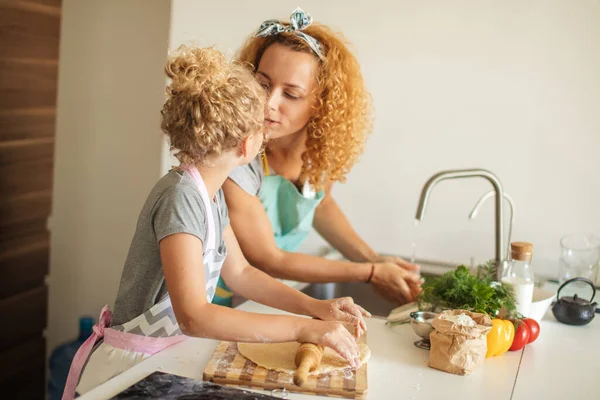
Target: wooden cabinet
column 29, row 45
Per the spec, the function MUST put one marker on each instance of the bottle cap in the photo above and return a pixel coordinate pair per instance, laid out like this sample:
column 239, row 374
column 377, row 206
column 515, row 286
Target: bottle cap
column 521, row 251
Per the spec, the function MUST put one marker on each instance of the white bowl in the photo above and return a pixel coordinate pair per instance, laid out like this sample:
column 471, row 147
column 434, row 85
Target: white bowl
column 541, row 302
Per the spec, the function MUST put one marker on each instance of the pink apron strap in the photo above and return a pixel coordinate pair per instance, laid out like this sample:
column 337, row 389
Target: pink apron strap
column 117, row 339
column 84, row 352
column 139, row 343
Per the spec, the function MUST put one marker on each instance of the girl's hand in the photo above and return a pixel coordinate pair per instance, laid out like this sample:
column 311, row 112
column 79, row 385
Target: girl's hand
column 331, row 334
column 343, row 310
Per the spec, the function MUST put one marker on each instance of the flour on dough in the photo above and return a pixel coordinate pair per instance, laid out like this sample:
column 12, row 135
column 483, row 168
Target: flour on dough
column 280, row 356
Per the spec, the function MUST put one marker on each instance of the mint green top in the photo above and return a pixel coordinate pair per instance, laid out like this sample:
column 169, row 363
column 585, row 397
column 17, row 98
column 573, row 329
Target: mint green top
column 290, row 211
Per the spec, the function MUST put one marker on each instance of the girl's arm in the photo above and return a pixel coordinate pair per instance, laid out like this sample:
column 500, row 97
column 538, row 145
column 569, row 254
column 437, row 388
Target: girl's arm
column 255, row 285
column 181, row 256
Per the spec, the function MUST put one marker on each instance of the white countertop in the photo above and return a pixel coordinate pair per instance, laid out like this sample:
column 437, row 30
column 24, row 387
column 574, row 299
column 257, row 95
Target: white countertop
column 562, row 364
column 565, row 364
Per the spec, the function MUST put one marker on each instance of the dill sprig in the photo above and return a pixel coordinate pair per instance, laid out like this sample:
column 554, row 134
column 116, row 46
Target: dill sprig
column 459, row 289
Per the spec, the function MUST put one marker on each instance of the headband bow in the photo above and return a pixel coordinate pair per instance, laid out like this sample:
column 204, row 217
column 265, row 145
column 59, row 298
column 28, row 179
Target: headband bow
column 298, row 21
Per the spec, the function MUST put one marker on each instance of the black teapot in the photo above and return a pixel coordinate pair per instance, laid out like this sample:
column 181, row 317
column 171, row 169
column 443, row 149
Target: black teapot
column 573, row 310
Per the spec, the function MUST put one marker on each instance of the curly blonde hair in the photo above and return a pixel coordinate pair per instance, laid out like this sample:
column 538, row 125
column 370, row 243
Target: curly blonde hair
column 212, row 104
column 343, row 111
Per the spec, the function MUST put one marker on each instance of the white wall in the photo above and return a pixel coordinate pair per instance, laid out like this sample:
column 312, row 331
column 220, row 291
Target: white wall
column 108, row 147
column 510, row 86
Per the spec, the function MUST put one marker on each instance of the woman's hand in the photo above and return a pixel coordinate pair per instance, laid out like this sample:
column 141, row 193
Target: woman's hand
column 343, row 310
column 396, row 283
column 331, row 334
column 399, row 262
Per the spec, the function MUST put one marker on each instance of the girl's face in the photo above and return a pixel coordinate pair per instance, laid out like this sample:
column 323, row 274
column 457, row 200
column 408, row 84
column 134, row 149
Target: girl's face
column 290, row 79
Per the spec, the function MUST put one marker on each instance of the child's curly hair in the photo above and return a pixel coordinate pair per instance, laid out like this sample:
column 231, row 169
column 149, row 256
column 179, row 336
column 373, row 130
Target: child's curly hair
column 343, row 110
column 212, row 104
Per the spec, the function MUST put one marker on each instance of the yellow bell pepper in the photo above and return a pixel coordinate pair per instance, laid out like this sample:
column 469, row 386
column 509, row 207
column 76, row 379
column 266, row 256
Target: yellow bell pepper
column 500, row 338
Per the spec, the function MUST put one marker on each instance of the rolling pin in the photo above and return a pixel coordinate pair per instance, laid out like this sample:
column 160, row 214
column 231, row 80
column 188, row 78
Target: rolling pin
column 308, row 358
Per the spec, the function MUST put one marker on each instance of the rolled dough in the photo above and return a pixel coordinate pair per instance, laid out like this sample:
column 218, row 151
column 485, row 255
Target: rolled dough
column 280, row 356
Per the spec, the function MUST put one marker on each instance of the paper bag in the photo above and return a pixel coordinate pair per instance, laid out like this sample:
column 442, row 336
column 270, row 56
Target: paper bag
column 456, row 348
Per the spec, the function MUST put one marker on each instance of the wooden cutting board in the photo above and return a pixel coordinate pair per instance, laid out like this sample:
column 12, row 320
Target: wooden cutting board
column 228, row 367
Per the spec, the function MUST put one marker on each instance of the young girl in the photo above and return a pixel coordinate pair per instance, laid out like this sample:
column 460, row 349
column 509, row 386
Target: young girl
column 214, row 118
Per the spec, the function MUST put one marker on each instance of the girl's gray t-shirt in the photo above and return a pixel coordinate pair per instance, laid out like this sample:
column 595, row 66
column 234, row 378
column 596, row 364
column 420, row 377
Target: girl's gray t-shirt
column 173, row 206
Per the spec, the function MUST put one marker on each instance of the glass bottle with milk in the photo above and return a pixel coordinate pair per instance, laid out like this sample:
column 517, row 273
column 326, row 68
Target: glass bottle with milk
column 519, row 275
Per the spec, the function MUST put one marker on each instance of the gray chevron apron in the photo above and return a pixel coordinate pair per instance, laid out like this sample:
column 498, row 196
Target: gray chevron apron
column 125, row 345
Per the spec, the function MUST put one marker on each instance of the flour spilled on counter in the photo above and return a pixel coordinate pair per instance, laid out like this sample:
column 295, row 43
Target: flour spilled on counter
column 226, row 365
column 285, row 378
column 222, row 364
column 348, row 374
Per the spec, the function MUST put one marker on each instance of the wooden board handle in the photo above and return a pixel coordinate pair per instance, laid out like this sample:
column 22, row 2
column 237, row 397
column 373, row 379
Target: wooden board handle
column 308, row 358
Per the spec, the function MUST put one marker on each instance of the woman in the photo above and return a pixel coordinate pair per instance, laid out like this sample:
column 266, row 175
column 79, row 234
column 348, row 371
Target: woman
column 319, row 113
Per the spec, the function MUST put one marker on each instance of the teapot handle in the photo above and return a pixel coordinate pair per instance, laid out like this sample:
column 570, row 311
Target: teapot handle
column 574, row 280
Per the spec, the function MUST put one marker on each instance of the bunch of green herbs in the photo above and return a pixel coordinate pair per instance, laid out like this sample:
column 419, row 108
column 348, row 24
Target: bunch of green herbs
column 459, row 289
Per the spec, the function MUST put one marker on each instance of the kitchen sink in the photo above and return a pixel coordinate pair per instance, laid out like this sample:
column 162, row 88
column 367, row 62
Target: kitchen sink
column 363, row 294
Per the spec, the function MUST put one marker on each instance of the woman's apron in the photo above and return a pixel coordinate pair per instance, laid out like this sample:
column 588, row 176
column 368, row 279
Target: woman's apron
column 156, row 329
column 290, row 212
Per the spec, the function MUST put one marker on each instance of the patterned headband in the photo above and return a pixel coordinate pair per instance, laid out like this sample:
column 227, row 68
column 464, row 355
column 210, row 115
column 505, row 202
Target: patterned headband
column 298, row 21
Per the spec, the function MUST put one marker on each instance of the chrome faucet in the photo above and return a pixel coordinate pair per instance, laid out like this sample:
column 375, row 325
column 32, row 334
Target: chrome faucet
column 511, row 220
column 499, row 196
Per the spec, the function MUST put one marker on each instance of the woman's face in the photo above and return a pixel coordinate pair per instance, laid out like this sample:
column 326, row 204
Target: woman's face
column 290, row 79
